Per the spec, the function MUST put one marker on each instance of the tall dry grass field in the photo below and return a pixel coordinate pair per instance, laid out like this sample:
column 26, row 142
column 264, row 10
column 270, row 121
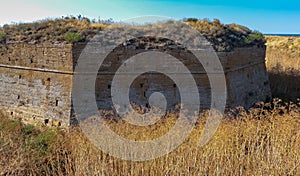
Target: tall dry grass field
column 263, row 141
column 283, row 65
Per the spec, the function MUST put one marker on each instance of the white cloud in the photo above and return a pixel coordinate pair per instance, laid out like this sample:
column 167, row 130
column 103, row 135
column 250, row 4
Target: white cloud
column 20, row 11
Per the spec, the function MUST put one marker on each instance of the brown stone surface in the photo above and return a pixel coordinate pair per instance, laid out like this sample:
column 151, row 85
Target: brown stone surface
column 36, row 80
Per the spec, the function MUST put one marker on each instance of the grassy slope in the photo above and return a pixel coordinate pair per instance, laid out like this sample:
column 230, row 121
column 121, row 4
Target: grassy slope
column 283, row 51
column 283, row 65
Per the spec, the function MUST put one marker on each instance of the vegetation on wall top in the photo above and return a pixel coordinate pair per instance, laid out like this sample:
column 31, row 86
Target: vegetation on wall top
column 224, row 37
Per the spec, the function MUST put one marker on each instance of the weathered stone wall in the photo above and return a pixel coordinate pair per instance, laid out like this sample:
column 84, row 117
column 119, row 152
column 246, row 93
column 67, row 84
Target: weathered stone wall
column 40, row 56
column 246, row 76
column 244, row 68
column 36, row 80
column 148, row 83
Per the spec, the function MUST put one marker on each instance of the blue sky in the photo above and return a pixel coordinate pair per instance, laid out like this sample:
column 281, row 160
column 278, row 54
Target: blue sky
column 267, row 16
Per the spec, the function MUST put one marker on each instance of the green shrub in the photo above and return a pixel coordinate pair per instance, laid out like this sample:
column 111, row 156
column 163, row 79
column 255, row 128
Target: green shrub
column 72, row 37
column 42, row 141
column 191, row 20
column 28, row 129
column 2, row 35
column 255, row 36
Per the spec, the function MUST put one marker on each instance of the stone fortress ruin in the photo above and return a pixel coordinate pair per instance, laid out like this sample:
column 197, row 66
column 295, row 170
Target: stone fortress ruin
column 36, row 77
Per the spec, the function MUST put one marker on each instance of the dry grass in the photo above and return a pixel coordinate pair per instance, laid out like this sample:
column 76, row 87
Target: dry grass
column 283, row 51
column 264, row 141
column 283, row 65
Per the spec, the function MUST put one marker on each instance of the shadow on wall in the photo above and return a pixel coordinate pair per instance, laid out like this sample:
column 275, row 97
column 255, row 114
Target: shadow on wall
column 285, row 84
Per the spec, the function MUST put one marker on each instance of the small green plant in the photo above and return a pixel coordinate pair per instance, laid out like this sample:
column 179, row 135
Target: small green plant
column 72, row 37
column 28, row 129
column 254, row 37
column 2, row 35
column 42, row 141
